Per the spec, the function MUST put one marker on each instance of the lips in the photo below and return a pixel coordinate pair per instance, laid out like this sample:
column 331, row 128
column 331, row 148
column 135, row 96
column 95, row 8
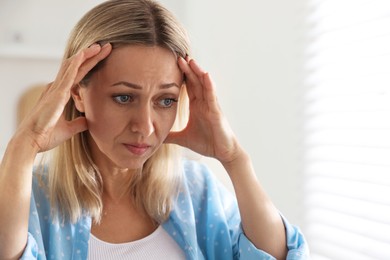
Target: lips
column 137, row 149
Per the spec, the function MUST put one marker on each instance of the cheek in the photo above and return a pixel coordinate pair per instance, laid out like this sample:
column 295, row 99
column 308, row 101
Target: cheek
column 107, row 129
column 98, row 125
column 168, row 122
column 102, row 122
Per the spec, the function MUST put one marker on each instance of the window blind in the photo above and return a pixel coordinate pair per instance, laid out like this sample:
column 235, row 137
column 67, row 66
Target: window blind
column 347, row 129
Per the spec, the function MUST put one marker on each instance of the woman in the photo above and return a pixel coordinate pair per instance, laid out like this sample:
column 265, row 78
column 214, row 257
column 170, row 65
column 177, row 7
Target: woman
column 114, row 187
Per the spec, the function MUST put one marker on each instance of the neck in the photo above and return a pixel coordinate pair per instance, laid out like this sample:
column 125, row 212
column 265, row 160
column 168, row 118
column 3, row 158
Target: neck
column 116, row 180
column 116, row 183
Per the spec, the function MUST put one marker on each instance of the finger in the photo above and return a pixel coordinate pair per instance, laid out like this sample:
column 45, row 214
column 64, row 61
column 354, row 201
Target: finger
column 77, row 59
column 77, row 125
column 68, row 78
column 209, row 93
column 92, row 62
column 75, row 65
column 181, row 62
column 175, row 138
column 194, row 86
column 65, row 131
column 209, row 88
column 197, row 69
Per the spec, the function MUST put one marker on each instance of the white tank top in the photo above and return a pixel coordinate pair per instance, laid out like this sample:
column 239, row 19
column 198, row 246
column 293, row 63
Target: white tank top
column 158, row 245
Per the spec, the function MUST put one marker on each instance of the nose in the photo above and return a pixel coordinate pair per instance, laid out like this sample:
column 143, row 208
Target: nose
column 142, row 121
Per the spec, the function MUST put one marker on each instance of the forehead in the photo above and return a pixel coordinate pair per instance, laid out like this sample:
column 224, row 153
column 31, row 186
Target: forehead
column 142, row 64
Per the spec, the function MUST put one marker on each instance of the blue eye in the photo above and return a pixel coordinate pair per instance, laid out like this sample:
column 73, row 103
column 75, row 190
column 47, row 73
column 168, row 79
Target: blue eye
column 167, row 102
column 123, row 99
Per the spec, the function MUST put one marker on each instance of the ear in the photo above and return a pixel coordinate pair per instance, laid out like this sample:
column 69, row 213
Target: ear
column 78, row 98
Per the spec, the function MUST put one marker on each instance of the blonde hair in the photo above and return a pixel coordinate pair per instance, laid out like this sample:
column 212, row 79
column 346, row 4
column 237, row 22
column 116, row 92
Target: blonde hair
column 75, row 184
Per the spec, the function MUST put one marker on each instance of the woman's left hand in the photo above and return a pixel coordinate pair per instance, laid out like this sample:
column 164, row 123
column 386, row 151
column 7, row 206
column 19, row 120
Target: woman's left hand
column 207, row 131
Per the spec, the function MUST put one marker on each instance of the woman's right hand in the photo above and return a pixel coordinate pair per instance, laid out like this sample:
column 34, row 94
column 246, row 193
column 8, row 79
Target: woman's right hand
column 45, row 127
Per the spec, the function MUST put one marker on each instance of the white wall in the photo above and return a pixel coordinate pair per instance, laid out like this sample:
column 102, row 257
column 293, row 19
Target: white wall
column 251, row 48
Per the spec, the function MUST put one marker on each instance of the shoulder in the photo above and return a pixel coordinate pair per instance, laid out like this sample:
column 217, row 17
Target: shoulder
column 40, row 182
column 192, row 167
column 205, row 213
column 198, row 180
column 198, row 175
column 40, row 200
column 204, row 188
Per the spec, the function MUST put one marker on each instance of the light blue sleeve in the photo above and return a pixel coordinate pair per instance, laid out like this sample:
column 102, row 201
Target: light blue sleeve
column 31, row 250
column 296, row 244
column 34, row 248
column 245, row 249
column 53, row 239
column 223, row 212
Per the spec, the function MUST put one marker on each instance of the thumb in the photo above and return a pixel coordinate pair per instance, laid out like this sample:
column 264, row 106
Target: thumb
column 175, row 138
column 77, row 125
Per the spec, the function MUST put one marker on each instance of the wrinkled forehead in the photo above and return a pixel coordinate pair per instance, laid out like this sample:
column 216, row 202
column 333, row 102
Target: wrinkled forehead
column 153, row 63
column 142, row 65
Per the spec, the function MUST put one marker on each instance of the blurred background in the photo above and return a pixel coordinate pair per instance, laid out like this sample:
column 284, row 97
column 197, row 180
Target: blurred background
column 304, row 84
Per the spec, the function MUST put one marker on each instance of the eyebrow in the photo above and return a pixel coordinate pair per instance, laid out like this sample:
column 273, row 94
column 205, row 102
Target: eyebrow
column 135, row 86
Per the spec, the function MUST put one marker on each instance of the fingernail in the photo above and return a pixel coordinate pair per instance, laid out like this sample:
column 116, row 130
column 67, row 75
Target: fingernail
column 193, row 63
column 95, row 45
column 181, row 59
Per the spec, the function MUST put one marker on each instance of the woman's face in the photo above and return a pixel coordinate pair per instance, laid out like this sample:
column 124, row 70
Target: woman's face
column 130, row 105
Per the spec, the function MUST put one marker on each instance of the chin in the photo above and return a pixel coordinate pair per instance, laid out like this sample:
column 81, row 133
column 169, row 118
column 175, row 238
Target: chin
column 132, row 163
column 126, row 161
